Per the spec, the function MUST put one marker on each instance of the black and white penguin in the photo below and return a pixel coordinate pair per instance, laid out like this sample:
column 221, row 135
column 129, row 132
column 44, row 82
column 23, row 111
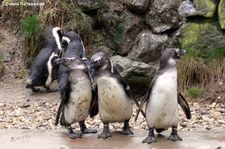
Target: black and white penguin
column 77, row 102
column 75, row 48
column 114, row 98
column 163, row 98
column 43, row 72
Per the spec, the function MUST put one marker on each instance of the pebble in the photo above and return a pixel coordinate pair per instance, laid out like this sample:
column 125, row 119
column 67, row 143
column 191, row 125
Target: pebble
column 41, row 115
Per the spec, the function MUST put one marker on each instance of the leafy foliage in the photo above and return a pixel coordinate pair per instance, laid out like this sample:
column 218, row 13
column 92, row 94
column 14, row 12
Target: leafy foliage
column 33, row 36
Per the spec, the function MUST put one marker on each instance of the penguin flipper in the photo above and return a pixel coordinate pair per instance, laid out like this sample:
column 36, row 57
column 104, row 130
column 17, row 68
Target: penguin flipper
column 184, row 105
column 146, row 96
column 127, row 88
column 93, row 110
column 64, row 99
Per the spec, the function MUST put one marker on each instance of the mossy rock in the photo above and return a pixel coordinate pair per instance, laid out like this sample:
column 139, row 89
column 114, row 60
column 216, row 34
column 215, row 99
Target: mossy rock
column 203, row 35
column 205, row 8
column 221, row 13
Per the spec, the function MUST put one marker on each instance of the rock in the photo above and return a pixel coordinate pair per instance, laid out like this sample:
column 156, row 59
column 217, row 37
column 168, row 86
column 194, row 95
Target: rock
column 186, row 8
column 148, row 47
column 138, row 6
column 213, row 105
column 201, row 35
column 89, row 5
column 163, row 15
column 120, row 27
column 137, row 74
column 221, row 13
column 205, row 8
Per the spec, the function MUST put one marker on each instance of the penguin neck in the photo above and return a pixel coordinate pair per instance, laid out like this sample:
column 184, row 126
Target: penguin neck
column 105, row 69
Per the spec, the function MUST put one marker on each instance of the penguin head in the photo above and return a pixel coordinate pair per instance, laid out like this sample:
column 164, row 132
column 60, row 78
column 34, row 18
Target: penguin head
column 101, row 61
column 71, row 63
column 57, row 34
column 169, row 57
column 71, row 36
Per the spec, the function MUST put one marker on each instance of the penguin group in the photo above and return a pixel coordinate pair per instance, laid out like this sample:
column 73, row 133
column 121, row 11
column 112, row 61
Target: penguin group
column 91, row 87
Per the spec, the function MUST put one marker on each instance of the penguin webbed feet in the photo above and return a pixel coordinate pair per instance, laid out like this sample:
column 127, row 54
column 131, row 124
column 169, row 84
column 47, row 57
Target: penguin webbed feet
column 174, row 135
column 72, row 134
column 105, row 133
column 35, row 90
column 86, row 130
column 151, row 137
column 126, row 129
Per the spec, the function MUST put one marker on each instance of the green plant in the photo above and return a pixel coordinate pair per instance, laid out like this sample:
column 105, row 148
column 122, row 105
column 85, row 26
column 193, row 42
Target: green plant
column 195, row 92
column 33, row 37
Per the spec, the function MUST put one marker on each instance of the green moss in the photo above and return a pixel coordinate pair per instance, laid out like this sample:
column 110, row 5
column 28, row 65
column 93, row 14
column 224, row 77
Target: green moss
column 206, row 8
column 195, row 92
column 203, row 35
column 221, row 13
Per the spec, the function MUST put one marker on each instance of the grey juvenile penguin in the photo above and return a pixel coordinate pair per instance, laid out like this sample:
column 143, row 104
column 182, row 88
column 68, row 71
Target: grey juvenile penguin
column 163, row 97
column 114, row 98
column 74, row 47
column 76, row 104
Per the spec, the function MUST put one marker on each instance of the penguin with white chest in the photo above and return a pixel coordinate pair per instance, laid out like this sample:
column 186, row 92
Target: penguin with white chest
column 114, row 100
column 43, row 71
column 75, row 48
column 76, row 105
column 163, row 98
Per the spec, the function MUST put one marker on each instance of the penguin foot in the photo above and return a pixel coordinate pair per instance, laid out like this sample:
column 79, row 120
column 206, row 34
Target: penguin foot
column 126, row 128
column 127, row 131
column 73, row 135
column 105, row 133
column 88, row 131
column 149, row 139
column 174, row 135
column 35, row 89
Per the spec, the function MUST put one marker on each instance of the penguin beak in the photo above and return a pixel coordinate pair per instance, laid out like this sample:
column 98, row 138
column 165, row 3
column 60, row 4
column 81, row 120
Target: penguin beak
column 182, row 52
column 58, row 61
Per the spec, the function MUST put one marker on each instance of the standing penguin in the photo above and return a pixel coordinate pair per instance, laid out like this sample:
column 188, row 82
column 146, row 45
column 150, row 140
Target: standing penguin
column 43, row 72
column 76, row 104
column 162, row 98
column 114, row 95
column 75, row 48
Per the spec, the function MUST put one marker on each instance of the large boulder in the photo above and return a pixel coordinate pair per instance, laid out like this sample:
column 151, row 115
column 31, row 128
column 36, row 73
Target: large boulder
column 203, row 35
column 120, row 26
column 186, row 8
column 137, row 6
column 148, row 47
column 221, row 13
column 163, row 15
column 205, row 8
column 137, row 74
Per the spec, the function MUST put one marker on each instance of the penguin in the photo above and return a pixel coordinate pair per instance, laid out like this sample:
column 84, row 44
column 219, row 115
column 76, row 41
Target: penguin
column 76, row 48
column 75, row 106
column 113, row 95
column 163, row 98
column 43, row 72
